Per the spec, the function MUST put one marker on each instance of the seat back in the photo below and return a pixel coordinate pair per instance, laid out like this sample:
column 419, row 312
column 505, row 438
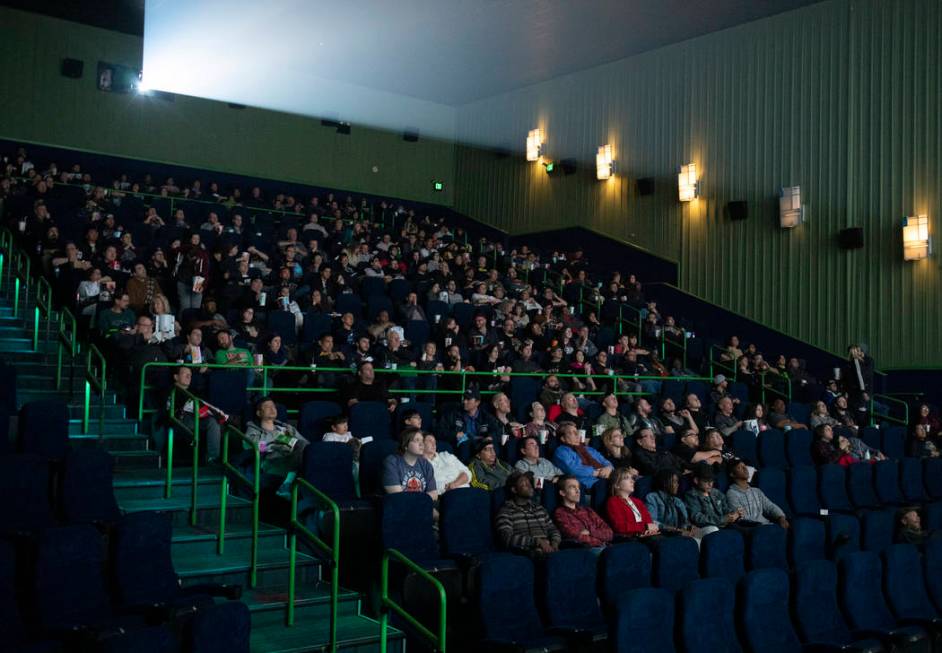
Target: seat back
column 860, row 592
column 370, row 419
column 372, row 287
column 505, row 596
column 25, row 477
column 228, row 390
column 904, row 584
column 349, row 303
column 764, row 611
column 465, row 522
column 814, row 601
column 910, row 480
column 407, row 525
column 832, row 488
column 806, row 541
column 870, row 436
column 12, row 623
column 876, row 530
column 745, row 445
column 88, row 487
column 644, row 622
column 221, row 628
column 372, row 455
column 44, row 429
column 803, row 491
column 708, row 601
column 568, row 589
column 798, row 447
column 623, row 567
column 69, row 584
column 524, row 390
column 417, row 333
column 315, row 325
column 860, row 486
column 932, row 568
column 843, row 535
column 886, row 482
column 892, row 441
column 141, row 559
column 377, row 303
column 932, row 477
column 772, row 449
column 284, row 324
column 766, row 547
column 328, row 466
column 800, row 411
column 312, row 421
column 676, row 562
column 722, row 555
column 772, row 482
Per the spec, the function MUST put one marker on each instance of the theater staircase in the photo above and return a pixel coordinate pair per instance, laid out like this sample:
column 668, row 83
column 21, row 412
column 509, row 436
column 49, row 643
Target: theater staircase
column 140, row 484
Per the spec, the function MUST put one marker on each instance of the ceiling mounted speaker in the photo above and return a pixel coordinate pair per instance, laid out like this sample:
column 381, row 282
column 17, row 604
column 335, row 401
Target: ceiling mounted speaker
column 737, row 210
column 851, row 238
column 72, row 68
column 646, row 186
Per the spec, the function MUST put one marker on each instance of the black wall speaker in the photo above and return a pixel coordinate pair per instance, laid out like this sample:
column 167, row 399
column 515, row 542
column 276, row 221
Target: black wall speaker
column 410, row 135
column 72, row 68
column 851, row 238
column 646, row 186
column 569, row 166
column 343, row 128
column 737, row 210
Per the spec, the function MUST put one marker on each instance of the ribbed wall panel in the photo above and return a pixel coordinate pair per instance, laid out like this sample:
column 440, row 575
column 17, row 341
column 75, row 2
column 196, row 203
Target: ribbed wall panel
column 841, row 98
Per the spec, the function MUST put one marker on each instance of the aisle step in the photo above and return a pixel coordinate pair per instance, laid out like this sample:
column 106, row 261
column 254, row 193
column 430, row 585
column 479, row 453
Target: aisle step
column 111, row 442
column 207, row 507
column 233, row 567
column 146, row 483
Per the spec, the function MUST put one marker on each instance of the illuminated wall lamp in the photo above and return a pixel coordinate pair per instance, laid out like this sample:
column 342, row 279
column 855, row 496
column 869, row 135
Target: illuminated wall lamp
column 534, row 144
column 688, row 186
column 916, row 243
column 604, row 163
column 790, row 211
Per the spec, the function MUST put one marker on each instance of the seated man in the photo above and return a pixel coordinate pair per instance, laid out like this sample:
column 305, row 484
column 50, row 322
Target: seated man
column 523, row 525
column 408, row 470
column 368, row 388
column 707, row 507
column 724, row 419
column 450, row 473
column 487, row 472
column 779, row 418
column 118, row 318
column 688, row 450
column 752, row 503
column 469, row 422
column 280, row 444
column 568, row 410
column 910, row 527
column 228, row 353
column 643, row 417
column 611, row 417
column 575, row 457
column 531, row 462
column 210, row 432
column 649, row 460
column 578, row 524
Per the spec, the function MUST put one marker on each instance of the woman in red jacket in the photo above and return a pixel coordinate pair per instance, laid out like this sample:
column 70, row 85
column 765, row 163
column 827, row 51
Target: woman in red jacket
column 628, row 516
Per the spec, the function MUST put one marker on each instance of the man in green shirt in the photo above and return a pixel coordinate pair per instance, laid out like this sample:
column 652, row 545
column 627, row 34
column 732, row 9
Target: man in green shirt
column 117, row 318
column 228, row 353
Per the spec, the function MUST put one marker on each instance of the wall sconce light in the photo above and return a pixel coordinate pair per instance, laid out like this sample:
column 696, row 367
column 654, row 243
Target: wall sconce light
column 790, row 211
column 916, row 243
column 688, row 187
column 534, row 144
column 604, row 163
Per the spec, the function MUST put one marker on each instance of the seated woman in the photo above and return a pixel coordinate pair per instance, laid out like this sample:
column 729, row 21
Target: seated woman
column 628, row 516
column 667, row 509
column 845, row 456
column 166, row 327
column 821, row 415
column 754, row 418
column 409, row 470
column 614, row 449
column 280, row 445
column 919, row 445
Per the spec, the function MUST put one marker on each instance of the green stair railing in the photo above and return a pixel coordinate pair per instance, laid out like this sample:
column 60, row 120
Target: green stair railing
column 678, row 344
column 68, row 343
column 387, row 604
column 43, row 310
column 194, row 429
column 330, row 551
column 729, row 369
column 251, row 485
column 890, row 403
column 769, row 387
column 96, row 371
column 629, row 316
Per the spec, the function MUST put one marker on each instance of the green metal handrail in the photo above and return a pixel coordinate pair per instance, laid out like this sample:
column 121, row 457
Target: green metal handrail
column 634, row 322
column 68, row 340
column 553, row 279
column 680, row 344
column 464, row 374
column 887, row 398
column 386, row 604
column 6, row 244
column 253, row 485
column 787, row 395
column 96, row 376
column 731, row 369
column 175, row 422
column 330, row 551
column 43, row 309
column 583, row 301
column 21, row 266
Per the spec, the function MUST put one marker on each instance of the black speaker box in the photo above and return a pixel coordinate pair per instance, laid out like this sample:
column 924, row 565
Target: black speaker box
column 851, row 238
column 410, row 136
column 737, row 210
column 646, row 186
column 72, row 68
column 569, row 166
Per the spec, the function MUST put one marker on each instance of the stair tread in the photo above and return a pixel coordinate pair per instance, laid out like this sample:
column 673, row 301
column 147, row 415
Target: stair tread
column 182, row 502
column 270, row 635
column 269, row 556
column 269, row 598
column 189, row 533
column 149, row 477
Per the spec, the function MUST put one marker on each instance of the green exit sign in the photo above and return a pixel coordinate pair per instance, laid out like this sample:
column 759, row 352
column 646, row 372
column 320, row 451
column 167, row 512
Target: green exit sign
column 438, row 186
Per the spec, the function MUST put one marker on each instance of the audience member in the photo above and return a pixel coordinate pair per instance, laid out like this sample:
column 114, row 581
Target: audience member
column 280, row 445
column 408, row 470
column 919, row 445
column 707, row 506
column 530, row 461
column 628, row 516
column 450, row 473
column 576, row 458
column 488, row 472
column 649, row 460
column 578, row 524
column 750, row 501
column 523, row 525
